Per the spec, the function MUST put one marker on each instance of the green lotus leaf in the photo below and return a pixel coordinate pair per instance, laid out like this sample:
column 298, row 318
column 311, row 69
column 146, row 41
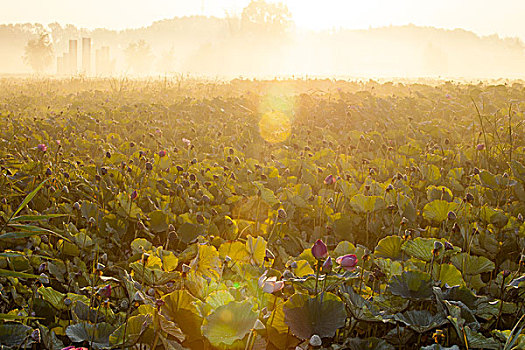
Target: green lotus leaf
column 136, row 325
column 267, row 195
column 513, row 339
column 488, row 180
column 96, row 334
column 188, row 232
column 448, row 275
column 152, row 276
column 463, row 294
column 82, row 312
column 207, row 262
column 411, row 284
column 342, row 248
column 472, row 265
column 229, row 323
column 368, row 343
column 343, row 227
column 235, row 250
column 420, row 248
column 256, row 248
column 362, row 309
column 406, row 207
column 439, row 192
column 321, row 315
column 53, row 297
column 219, row 298
column 14, row 334
column 474, row 339
column 180, row 308
column 158, row 221
column 389, row 247
column 518, row 170
column 278, row 330
column 389, row 267
column 367, row 204
column 421, row 321
column 391, row 303
column 437, row 210
column 493, row 216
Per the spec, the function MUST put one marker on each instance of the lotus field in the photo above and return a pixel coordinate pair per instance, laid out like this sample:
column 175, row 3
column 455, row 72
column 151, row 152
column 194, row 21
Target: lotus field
column 285, row 214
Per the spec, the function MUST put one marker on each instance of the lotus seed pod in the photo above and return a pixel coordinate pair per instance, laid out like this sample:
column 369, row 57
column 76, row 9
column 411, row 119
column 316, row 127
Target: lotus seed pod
column 451, row 216
column 315, row 340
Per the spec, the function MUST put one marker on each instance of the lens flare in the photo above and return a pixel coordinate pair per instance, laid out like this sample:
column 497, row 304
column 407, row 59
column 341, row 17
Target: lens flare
column 275, row 126
column 277, row 110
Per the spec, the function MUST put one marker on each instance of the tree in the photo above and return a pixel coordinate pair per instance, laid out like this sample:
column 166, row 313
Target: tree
column 39, row 52
column 263, row 18
column 139, row 57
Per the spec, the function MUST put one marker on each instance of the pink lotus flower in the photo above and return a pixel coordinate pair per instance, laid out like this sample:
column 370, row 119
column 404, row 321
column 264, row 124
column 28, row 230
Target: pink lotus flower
column 42, row 147
column 162, row 153
column 186, row 142
column 270, row 284
column 319, row 250
column 73, row 348
column 329, row 180
column 347, row 262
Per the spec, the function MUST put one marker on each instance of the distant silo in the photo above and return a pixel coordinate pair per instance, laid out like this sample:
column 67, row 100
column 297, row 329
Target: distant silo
column 86, row 55
column 73, row 57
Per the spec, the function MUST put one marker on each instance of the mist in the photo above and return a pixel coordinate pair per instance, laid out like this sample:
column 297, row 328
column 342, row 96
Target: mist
column 262, row 42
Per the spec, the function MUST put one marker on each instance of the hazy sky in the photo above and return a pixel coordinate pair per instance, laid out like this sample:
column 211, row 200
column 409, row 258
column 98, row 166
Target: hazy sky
column 503, row 17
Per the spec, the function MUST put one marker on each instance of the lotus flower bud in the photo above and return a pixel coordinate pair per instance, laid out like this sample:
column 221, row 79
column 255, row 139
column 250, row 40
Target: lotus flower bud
column 347, row 262
column 329, row 180
column 319, row 250
column 42, row 147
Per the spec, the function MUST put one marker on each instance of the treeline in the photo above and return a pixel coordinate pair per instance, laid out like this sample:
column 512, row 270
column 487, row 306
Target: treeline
column 264, row 42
